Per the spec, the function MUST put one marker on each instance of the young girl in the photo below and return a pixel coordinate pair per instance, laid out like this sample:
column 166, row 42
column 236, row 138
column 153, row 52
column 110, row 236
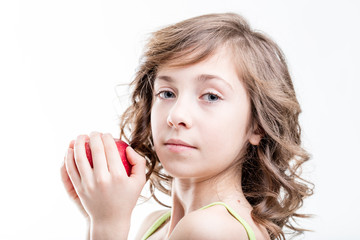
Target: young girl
column 214, row 124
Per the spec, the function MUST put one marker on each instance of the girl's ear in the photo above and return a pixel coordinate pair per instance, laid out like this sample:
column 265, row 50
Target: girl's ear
column 255, row 139
column 255, row 136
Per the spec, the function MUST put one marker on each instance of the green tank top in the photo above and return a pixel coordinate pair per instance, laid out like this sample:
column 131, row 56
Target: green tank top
column 166, row 216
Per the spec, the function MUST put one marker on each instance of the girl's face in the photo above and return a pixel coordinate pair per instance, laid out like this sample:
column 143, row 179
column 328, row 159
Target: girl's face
column 199, row 117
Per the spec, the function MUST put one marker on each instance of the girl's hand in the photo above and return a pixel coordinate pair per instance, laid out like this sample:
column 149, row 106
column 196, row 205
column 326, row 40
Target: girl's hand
column 107, row 194
column 69, row 186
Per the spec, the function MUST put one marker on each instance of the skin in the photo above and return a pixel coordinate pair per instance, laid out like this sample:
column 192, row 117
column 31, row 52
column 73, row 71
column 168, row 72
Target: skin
column 104, row 194
column 212, row 116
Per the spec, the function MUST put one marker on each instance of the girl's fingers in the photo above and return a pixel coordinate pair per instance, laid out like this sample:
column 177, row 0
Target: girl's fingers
column 81, row 160
column 112, row 155
column 69, row 187
column 72, row 142
column 138, row 164
column 98, row 154
column 71, row 145
column 71, row 170
column 65, row 176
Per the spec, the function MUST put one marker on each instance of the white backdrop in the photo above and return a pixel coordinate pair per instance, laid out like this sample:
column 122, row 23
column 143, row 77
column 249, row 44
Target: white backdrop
column 60, row 62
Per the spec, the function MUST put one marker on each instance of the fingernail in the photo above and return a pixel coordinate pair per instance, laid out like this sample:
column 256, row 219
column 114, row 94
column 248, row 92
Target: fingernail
column 71, row 145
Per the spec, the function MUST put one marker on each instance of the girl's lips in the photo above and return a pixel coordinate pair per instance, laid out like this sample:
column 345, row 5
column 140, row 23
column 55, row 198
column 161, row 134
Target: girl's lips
column 178, row 142
column 178, row 148
column 177, row 145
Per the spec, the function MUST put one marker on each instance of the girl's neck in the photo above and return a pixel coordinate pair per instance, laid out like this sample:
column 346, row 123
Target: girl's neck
column 190, row 195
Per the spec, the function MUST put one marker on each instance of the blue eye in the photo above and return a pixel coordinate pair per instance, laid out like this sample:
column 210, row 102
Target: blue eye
column 211, row 97
column 165, row 94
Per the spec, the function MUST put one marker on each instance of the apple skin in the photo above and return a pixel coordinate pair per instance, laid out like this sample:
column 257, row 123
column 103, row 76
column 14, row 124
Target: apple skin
column 121, row 146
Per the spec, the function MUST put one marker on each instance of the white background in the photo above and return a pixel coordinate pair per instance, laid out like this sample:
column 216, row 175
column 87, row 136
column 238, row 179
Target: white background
column 60, row 63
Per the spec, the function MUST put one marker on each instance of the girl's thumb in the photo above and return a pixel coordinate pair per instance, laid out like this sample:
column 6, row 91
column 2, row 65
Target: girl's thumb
column 137, row 162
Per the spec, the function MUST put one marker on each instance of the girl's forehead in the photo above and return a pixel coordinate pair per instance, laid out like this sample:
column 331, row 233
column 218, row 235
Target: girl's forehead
column 223, row 53
column 219, row 63
column 219, row 68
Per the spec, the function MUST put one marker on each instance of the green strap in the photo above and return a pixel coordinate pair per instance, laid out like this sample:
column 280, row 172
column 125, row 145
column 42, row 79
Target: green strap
column 156, row 224
column 249, row 231
column 164, row 217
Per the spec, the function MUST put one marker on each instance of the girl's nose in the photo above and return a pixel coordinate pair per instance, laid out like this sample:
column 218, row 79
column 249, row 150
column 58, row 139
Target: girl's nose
column 179, row 115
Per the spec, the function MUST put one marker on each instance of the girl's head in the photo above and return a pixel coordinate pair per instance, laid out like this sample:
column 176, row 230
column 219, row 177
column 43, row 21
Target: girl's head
column 266, row 149
column 205, row 106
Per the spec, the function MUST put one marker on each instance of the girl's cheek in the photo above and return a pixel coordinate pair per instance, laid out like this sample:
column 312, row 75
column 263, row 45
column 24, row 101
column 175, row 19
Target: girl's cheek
column 158, row 119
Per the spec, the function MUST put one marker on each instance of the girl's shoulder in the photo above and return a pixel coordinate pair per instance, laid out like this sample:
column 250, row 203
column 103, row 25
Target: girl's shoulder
column 214, row 222
column 210, row 223
column 149, row 221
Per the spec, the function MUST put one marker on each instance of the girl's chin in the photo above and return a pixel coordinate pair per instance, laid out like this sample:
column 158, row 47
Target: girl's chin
column 179, row 171
column 185, row 172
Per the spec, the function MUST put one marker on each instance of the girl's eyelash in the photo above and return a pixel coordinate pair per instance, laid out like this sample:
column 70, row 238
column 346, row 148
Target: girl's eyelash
column 208, row 93
column 213, row 94
column 164, row 91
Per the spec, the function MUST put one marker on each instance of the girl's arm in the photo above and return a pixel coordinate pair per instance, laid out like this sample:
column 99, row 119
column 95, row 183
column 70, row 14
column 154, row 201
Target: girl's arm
column 71, row 190
column 69, row 186
column 72, row 194
column 106, row 193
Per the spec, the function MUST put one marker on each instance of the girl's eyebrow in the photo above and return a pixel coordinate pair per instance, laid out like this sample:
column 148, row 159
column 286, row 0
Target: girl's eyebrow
column 201, row 78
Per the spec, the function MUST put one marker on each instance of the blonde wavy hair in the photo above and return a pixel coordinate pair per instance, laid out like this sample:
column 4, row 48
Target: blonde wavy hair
column 270, row 171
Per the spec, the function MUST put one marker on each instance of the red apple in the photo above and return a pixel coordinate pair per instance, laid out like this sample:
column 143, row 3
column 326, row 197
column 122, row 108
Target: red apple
column 121, row 146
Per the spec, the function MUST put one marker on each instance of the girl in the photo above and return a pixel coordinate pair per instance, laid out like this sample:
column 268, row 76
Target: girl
column 214, row 124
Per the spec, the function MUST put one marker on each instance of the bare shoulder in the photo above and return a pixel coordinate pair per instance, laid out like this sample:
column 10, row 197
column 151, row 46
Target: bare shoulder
column 148, row 222
column 211, row 223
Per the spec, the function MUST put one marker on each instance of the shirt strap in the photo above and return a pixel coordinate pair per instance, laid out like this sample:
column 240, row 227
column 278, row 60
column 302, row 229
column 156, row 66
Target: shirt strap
column 156, row 225
column 249, row 231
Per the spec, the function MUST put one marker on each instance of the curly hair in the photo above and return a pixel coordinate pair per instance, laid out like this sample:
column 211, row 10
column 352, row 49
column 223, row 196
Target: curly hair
column 270, row 171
